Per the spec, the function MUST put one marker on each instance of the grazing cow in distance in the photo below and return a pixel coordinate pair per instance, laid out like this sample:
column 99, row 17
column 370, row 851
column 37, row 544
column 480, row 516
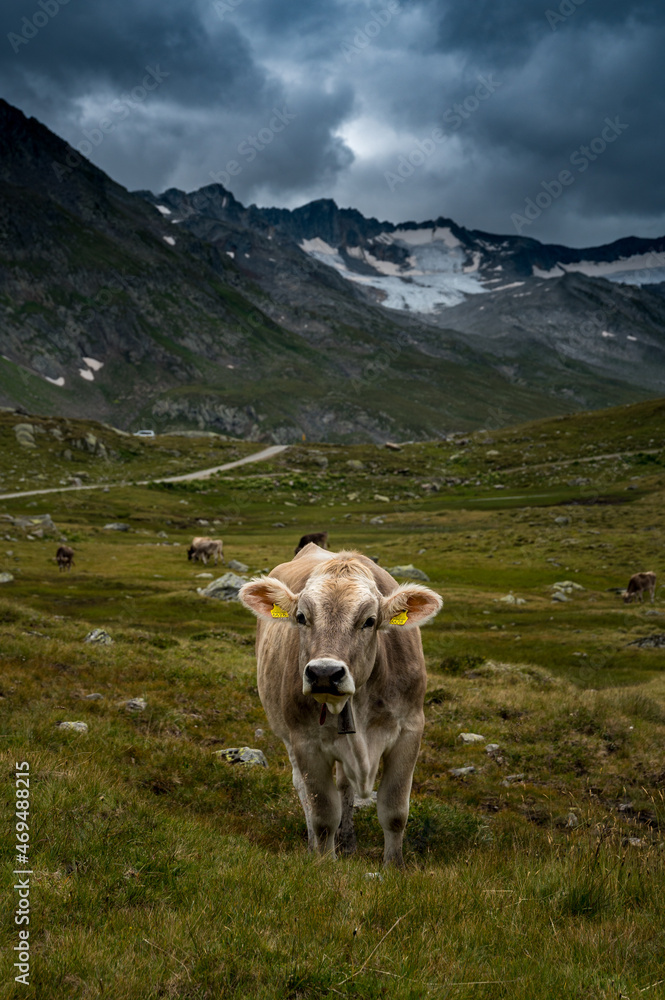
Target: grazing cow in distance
column 341, row 676
column 637, row 584
column 64, row 557
column 319, row 538
column 206, row 548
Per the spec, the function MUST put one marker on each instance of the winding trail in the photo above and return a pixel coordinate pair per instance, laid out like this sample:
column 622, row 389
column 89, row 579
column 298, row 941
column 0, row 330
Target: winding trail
column 258, row 456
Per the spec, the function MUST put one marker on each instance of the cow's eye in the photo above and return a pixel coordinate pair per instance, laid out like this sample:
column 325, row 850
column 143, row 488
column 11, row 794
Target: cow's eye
column 370, row 623
column 300, row 618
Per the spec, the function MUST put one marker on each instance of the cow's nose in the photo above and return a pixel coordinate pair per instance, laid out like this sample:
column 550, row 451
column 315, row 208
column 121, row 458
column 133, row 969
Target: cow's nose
column 325, row 671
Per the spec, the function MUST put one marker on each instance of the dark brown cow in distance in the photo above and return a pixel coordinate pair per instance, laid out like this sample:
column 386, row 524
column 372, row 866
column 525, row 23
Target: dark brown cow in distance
column 64, row 557
column 341, row 676
column 637, row 584
column 319, row 538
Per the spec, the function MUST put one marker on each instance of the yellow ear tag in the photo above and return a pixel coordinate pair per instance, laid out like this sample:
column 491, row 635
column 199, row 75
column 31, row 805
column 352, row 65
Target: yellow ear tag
column 400, row 619
column 278, row 612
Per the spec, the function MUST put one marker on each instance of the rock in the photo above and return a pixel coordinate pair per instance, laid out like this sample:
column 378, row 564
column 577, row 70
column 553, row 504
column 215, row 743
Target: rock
column 75, row 727
column 567, row 585
column 377, row 875
column 492, row 748
column 242, row 755
column 381, row 498
column 42, row 522
column 162, row 534
column 224, row 588
column 238, row 567
column 409, row 571
column 656, row 641
column 559, row 596
column 511, row 599
column 116, row 526
column 258, row 734
column 204, row 576
column 511, row 779
column 471, row 738
column 392, row 446
column 562, row 520
column 25, row 435
column 634, row 842
column 136, row 705
column 376, row 520
column 99, row 636
column 278, row 524
column 93, row 697
column 6, row 577
column 461, row 772
column 355, row 463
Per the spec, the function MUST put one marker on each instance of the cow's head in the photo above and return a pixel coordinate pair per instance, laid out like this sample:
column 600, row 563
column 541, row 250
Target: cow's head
column 338, row 615
column 190, row 552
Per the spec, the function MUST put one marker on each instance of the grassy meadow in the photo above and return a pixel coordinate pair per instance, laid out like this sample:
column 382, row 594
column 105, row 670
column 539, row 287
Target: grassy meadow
column 159, row 871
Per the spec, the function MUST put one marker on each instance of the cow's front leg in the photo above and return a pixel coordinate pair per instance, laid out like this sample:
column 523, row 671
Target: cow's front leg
column 322, row 797
column 346, row 834
column 392, row 803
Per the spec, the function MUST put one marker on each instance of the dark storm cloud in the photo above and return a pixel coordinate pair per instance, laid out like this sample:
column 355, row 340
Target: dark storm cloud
column 361, row 87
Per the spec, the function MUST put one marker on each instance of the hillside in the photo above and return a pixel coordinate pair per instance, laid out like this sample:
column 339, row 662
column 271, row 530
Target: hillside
column 108, row 309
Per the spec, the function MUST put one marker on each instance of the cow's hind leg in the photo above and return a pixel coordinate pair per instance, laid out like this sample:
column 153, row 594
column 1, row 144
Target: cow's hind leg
column 346, row 835
column 392, row 803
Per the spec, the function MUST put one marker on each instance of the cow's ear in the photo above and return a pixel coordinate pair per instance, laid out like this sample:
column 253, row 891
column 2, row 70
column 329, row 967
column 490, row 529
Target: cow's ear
column 408, row 606
column 268, row 598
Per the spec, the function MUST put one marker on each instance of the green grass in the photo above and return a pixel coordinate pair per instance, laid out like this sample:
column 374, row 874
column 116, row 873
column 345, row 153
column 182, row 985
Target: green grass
column 159, row 871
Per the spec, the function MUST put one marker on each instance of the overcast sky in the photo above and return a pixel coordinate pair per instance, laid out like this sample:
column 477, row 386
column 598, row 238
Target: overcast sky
column 404, row 110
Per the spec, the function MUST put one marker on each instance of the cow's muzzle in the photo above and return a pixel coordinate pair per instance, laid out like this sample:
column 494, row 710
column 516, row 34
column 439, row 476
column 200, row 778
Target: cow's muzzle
column 328, row 680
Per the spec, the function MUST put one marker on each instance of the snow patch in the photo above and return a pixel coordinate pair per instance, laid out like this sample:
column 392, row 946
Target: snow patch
column 170, row 240
column 55, row 381
column 513, row 284
column 606, row 333
column 318, row 246
column 92, row 363
column 87, row 374
column 163, row 209
column 231, row 254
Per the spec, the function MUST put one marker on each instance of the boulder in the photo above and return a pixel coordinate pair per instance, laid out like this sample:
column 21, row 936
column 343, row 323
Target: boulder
column 238, row 567
column 471, row 738
column 75, row 727
column 224, row 588
column 6, row 577
column 409, row 571
column 30, row 522
column 136, row 705
column 461, row 772
column 355, row 464
column 116, row 526
column 25, row 435
column 99, row 636
column 242, row 755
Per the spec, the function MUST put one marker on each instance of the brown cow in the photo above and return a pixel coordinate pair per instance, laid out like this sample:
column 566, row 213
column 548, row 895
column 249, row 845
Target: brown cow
column 341, row 676
column 64, row 557
column 637, row 584
column 206, row 548
column 319, row 538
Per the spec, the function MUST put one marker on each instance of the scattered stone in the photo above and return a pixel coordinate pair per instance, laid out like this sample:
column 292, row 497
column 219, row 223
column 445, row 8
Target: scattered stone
column 492, row 748
column 204, row 576
column 6, row 577
column 461, row 772
column 116, row 527
column 136, row 705
column 42, row 522
column 162, row 534
column 278, row 524
column 562, row 520
column 376, row 520
column 224, row 588
column 510, row 779
column 355, row 463
column 75, row 727
column 625, row 807
column 93, row 697
column 634, row 842
column 567, row 586
column 559, row 596
column 468, row 738
column 409, row 571
column 511, row 599
column 392, row 446
column 381, row 498
column 99, row 636
column 237, row 566
column 242, row 755
column 258, row 734
column 656, row 641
